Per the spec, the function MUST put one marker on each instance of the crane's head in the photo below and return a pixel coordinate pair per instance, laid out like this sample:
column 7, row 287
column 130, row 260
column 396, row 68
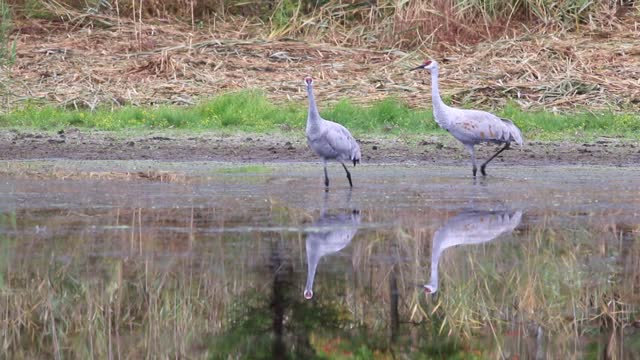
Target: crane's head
column 427, row 64
column 428, row 289
column 308, row 294
column 308, row 80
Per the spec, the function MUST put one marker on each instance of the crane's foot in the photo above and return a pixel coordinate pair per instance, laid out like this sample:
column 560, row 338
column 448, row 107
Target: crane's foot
column 484, row 173
column 475, row 170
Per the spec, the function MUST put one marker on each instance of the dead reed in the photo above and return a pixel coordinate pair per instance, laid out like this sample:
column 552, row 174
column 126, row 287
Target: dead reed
column 103, row 58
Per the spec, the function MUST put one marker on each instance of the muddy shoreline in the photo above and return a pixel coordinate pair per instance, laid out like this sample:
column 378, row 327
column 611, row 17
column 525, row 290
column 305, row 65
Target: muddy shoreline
column 76, row 144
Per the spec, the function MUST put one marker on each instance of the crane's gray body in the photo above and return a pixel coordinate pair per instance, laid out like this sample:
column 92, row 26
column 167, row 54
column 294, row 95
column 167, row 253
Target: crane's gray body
column 332, row 141
column 340, row 230
column 329, row 140
column 471, row 127
column 466, row 228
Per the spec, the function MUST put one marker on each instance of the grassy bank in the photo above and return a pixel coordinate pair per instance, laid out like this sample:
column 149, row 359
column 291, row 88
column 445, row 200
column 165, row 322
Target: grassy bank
column 251, row 111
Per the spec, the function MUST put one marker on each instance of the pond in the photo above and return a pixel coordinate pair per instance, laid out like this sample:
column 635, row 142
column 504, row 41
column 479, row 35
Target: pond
column 214, row 260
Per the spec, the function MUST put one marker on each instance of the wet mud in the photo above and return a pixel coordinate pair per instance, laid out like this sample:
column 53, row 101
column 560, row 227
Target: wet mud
column 429, row 149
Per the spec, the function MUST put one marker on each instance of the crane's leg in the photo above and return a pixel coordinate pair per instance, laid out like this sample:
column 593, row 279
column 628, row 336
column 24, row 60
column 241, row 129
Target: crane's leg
column 325, row 200
column 326, row 176
column 348, row 173
column 484, row 165
column 473, row 158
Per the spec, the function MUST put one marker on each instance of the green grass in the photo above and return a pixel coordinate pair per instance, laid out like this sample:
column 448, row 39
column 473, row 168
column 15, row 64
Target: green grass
column 251, row 111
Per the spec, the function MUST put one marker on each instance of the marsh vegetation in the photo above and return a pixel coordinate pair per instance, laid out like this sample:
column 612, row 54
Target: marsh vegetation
column 115, row 65
column 170, row 270
column 251, row 111
column 144, row 259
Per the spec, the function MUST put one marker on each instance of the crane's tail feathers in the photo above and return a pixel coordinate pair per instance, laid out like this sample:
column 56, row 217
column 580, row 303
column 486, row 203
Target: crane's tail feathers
column 517, row 136
column 355, row 153
column 514, row 132
column 516, row 217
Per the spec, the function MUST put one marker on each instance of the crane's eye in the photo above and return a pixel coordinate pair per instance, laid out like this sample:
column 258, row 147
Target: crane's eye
column 427, row 63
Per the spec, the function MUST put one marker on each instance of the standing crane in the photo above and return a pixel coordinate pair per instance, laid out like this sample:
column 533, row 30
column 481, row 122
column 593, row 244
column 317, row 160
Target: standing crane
column 329, row 140
column 469, row 227
column 470, row 127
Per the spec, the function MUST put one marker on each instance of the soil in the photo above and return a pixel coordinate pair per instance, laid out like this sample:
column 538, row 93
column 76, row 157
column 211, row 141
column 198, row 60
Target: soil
column 74, row 144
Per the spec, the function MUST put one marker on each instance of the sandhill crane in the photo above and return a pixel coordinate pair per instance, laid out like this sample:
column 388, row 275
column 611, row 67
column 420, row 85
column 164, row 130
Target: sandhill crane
column 470, row 127
column 329, row 140
column 337, row 232
column 469, row 227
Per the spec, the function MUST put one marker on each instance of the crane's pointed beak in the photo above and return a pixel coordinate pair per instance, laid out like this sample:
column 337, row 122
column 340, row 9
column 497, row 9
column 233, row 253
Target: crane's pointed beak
column 418, row 67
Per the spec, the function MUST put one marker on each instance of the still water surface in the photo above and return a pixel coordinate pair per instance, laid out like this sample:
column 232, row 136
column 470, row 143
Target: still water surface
column 257, row 261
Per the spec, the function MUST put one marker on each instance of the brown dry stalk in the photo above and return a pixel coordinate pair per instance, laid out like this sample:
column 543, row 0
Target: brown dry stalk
column 96, row 59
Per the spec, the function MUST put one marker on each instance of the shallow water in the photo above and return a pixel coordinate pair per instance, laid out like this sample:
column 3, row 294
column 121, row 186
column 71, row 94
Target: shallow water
column 531, row 262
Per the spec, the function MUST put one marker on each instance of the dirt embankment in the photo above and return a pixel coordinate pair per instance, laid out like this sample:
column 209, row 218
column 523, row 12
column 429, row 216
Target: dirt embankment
column 441, row 149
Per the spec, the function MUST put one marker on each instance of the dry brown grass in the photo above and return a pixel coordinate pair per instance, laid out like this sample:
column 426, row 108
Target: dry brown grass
column 101, row 59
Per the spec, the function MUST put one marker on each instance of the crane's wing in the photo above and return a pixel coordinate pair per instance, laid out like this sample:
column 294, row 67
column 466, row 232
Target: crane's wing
column 474, row 227
column 341, row 141
column 336, row 232
column 481, row 126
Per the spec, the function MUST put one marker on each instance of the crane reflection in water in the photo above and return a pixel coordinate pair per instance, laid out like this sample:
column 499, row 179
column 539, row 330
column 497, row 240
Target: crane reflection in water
column 334, row 234
column 466, row 228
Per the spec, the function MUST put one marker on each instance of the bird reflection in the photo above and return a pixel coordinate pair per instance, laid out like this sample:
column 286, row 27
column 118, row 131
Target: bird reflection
column 335, row 234
column 469, row 227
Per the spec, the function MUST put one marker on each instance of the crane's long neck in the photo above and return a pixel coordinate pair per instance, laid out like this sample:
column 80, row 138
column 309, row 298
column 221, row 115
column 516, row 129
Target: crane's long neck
column 313, row 117
column 312, row 264
column 436, row 251
column 439, row 107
